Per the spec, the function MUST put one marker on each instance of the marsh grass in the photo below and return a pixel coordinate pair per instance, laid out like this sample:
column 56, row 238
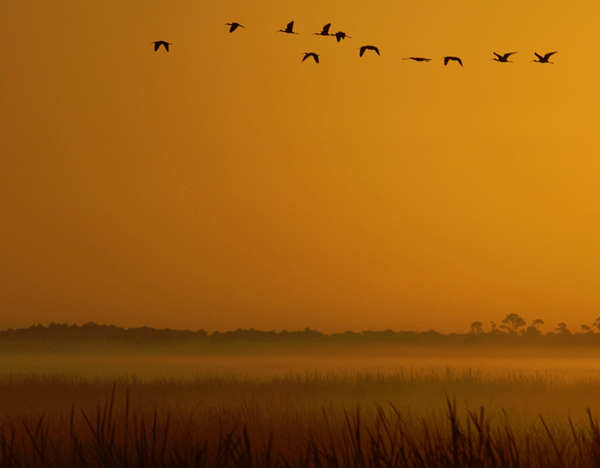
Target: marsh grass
column 447, row 419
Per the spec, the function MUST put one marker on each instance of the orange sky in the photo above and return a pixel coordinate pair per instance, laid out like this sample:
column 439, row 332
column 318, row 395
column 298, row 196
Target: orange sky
column 227, row 184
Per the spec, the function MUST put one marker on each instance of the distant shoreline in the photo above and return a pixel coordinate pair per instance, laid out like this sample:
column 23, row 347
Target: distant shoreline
column 95, row 338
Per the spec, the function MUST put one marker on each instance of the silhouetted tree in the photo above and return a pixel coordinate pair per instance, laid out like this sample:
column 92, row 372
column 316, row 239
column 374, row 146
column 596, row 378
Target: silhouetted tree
column 476, row 327
column 585, row 329
column 512, row 323
column 534, row 328
column 531, row 330
column 562, row 329
column 494, row 327
column 597, row 323
column 537, row 323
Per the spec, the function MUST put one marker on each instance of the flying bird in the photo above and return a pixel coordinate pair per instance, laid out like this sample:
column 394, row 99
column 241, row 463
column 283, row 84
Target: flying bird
column 157, row 45
column 368, row 47
column 288, row 29
column 311, row 54
column 324, row 31
column 418, row 59
column 503, row 58
column 456, row 59
column 233, row 26
column 545, row 58
column 341, row 35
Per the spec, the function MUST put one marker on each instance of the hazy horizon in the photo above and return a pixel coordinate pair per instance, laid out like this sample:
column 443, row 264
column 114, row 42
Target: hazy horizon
column 501, row 327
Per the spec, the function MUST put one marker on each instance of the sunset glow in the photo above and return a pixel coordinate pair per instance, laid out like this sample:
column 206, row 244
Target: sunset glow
column 228, row 184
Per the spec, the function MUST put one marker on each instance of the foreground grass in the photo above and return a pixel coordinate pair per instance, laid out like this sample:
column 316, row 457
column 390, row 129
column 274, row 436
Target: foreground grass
column 466, row 419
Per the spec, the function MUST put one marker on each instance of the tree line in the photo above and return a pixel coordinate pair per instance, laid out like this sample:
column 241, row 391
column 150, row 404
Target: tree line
column 515, row 324
column 64, row 337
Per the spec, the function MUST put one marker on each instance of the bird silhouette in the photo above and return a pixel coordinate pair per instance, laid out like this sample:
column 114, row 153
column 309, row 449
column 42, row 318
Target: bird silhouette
column 311, row 54
column 288, row 29
column 324, row 31
column 545, row 58
column 417, row 59
column 234, row 26
column 368, row 47
column 341, row 35
column 503, row 58
column 456, row 59
column 157, row 45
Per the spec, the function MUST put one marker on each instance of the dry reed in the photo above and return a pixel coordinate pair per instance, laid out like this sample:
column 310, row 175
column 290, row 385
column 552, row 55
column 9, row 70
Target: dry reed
column 287, row 422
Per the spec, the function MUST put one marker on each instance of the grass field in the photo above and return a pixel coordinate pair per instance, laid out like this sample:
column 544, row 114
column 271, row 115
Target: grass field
column 462, row 418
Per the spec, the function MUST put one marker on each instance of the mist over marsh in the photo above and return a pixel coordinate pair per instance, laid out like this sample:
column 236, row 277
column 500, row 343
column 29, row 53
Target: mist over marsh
column 247, row 398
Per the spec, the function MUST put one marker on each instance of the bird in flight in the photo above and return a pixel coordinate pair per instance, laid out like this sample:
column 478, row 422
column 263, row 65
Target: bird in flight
column 503, row 58
column 288, row 29
column 311, row 54
column 157, row 45
column 545, row 58
column 233, row 26
column 368, row 47
column 341, row 35
column 324, row 31
column 418, row 59
column 456, row 59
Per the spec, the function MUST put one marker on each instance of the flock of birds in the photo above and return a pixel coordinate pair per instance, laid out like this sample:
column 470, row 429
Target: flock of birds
column 340, row 35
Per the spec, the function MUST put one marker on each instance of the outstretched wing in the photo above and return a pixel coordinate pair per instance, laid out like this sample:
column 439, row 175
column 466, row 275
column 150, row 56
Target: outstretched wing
column 325, row 31
column 446, row 60
column 157, row 45
column 376, row 50
column 290, row 26
column 548, row 55
column 362, row 50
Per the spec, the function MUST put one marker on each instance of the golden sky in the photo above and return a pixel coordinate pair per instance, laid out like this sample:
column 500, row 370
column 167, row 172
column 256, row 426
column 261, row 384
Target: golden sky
column 227, row 184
